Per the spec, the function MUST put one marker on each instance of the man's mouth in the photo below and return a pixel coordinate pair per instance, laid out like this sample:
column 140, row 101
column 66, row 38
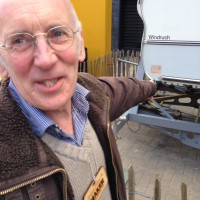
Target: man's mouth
column 49, row 83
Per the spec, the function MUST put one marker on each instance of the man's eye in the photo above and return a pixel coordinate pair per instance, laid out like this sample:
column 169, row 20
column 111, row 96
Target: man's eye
column 59, row 34
column 18, row 41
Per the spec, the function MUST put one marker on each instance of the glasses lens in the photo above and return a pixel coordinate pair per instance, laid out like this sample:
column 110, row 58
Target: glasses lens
column 60, row 38
column 19, row 43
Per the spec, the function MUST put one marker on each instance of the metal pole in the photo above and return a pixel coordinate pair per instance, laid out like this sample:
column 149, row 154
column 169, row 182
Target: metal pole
column 157, row 191
column 131, row 183
column 183, row 191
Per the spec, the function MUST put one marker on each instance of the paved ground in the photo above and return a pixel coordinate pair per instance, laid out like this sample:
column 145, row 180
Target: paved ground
column 151, row 153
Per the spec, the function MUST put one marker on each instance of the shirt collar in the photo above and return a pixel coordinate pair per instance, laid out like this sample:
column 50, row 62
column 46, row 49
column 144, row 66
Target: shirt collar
column 37, row 119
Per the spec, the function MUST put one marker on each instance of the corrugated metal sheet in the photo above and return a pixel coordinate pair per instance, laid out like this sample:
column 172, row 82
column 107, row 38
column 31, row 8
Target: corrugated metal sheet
column 131, row 26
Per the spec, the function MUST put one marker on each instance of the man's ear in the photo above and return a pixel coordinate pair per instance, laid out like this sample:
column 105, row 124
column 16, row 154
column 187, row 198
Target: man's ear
column 3, row 73
column 81, row 49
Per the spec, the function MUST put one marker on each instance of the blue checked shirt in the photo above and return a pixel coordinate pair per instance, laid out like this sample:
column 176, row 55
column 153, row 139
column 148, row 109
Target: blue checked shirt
column 42, row 124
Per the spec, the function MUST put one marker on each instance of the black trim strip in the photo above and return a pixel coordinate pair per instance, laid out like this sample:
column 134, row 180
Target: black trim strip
column 173, row 42
column 178, row 79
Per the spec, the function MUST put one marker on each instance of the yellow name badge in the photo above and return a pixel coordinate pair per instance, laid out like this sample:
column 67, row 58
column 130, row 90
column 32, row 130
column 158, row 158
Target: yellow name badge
column 97, row 187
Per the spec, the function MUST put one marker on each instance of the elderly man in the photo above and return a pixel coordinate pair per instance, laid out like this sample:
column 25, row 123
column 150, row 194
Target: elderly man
column 56, row 141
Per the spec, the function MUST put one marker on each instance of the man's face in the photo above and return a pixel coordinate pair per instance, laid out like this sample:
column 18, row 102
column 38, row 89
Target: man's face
column 46, row 79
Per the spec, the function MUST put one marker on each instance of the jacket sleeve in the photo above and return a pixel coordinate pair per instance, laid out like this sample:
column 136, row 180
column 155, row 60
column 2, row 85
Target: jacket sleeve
column 125, row 93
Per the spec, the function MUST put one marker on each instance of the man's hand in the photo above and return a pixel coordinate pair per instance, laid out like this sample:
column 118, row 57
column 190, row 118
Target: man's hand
column 151, row 97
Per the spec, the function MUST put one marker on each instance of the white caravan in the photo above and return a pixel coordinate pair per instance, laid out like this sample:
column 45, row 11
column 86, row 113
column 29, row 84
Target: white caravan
column 170, row 55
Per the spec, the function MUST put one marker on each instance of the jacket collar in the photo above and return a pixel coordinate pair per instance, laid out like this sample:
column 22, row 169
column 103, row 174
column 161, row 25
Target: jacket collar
column 18, row 143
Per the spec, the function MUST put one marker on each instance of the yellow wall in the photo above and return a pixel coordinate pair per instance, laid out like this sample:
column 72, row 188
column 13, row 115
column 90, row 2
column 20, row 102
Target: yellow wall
column 95, row 17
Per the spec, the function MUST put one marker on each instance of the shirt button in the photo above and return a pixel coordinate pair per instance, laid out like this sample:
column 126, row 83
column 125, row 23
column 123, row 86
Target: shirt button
column 57, row 130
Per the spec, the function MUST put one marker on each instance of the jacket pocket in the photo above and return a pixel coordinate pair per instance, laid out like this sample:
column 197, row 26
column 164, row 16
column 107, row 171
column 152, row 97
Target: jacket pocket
column 49, row 183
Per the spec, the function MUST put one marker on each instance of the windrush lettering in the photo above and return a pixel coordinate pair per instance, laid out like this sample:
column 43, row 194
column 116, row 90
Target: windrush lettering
column 159, row 37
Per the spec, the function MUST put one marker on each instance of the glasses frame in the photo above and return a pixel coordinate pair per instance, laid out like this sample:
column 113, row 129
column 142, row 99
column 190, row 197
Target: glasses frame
column 34, row 41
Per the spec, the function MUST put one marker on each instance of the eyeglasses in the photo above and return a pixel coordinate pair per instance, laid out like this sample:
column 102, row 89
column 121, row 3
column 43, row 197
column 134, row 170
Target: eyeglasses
column 59, row 38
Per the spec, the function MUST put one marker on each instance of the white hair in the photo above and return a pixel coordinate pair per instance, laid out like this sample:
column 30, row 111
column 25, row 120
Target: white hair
column 74, row 15
column 77, row 23
column 2, row 61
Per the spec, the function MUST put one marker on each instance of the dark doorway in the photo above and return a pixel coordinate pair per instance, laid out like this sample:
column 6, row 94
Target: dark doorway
column 131, row 26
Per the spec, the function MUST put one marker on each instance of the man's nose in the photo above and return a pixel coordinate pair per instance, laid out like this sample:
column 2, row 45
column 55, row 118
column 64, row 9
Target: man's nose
column 44, row 56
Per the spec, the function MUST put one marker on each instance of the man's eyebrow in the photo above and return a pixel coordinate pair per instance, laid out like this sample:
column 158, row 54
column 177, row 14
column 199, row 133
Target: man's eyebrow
column 55, row 25
column 30, row 30
column 16, row 31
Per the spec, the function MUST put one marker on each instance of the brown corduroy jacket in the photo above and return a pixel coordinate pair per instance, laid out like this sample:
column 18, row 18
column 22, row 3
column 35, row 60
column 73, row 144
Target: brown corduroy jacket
column 28, row 167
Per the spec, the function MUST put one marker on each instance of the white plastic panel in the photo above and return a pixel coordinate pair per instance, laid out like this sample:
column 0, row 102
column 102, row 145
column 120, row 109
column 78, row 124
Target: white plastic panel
column 171, row 38
column 181, row 62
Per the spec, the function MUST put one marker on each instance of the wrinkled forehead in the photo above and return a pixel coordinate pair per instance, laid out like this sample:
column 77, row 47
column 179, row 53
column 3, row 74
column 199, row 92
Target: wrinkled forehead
column 33, row 13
